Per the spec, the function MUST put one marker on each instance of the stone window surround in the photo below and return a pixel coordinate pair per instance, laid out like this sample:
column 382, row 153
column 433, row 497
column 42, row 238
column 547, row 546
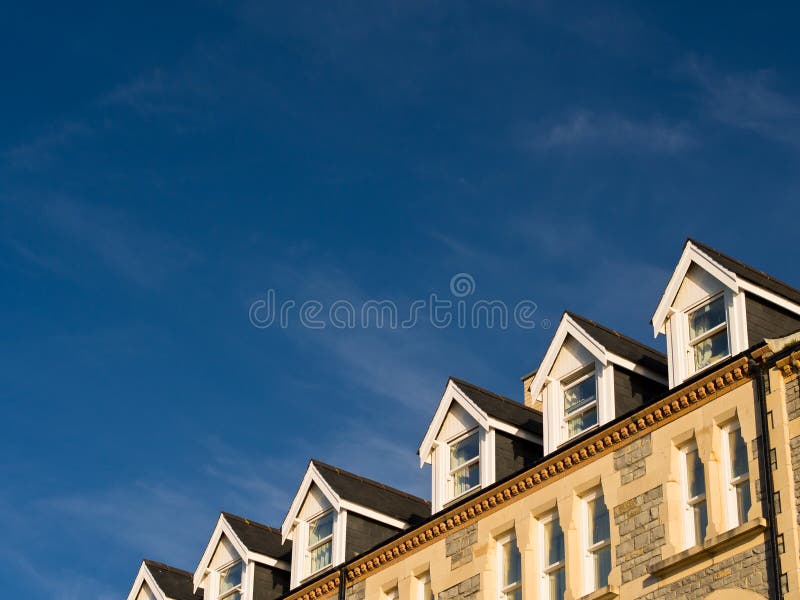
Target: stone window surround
column 710, row 446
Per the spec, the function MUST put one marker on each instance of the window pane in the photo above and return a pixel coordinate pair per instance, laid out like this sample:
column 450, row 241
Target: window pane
column 738, row 454
column 464, row 451
column 694, row 474
column 514, row 595
column 321, row 557
column 598, row 520
column 582, row 422
column 320, row 529
column 230, row 578
column 711, row 349
column 580, row 394
column 743, row 500
column 557, row 584
column 512, row 563
column 706, row 317
column 554, row 542
column 465, row 479
column 700, row 522
column 602, row 567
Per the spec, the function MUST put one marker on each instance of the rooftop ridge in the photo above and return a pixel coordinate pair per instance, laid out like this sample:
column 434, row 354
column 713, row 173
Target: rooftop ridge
column 616, row 333
column 706, row 247
column 251, row 522
column 366, row 480
column 495, row 395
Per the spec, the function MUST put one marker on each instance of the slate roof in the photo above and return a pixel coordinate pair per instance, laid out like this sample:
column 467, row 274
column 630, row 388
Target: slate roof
column 259, row 538
column 749, row 273
column 175, row 583
column 372, row 494
column 623, row 346
column 502, row 408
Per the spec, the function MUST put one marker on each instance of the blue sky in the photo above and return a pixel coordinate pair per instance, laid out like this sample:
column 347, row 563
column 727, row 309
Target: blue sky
column 163, row 165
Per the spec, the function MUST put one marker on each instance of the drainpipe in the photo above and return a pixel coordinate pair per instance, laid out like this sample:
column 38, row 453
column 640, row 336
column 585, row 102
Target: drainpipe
column 342, row 585
column 767, row 480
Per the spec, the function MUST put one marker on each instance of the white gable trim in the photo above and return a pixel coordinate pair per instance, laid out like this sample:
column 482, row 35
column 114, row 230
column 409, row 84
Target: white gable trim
column 568, row 326
column 223, row 527
column 515, row 431
column 691, row 254
column 312, row 476
column 142, row 577
column 373, row 514
column 452, row 393
column 769, row 296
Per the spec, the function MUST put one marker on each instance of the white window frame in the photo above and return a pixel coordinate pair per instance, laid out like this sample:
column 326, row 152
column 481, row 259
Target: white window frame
column 327, row 539
column 731, row 483
column 590, row 549
column 689, row 531
column 450, row 491
column 423, row 580
column 237, row 588
column 569, row 381
column 691, row 342
column 546, row 569
column 504, row 590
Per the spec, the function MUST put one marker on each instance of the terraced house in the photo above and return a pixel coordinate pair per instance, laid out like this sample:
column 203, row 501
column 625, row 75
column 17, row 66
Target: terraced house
column 625, row 473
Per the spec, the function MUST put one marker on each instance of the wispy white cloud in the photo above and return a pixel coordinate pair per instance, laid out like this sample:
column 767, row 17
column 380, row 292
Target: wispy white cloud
column 133, row 251
column 589, row 129
column 748, row 100
column 41, row 150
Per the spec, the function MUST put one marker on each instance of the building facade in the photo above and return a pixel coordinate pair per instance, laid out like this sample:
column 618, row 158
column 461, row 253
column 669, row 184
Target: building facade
column 625, row 473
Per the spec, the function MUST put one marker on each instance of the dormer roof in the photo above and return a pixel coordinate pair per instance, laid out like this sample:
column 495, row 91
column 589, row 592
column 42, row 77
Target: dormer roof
column 165, row 582
column 622, row 345
column 488, row 409
column 351, row 492
column 252, row 541
column 732, row 273
column 258, row 538
column 606, row 345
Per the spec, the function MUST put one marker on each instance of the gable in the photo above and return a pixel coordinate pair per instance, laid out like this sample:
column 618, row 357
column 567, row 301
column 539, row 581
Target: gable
column 315, row 503
column 145, row 593
column 570, row 357
column 457, row 421
column 697, row 285
column 224, row 553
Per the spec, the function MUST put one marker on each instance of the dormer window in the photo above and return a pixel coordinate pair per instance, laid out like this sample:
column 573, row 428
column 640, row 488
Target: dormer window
column 475, row 438
column 708, row 333
column 580, row 402
column 589, row 376
column 320, row 542
column 230, row 582
column 465, row 472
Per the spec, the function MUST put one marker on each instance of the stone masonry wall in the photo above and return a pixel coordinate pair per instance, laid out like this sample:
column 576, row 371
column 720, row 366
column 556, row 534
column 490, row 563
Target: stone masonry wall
column 630, row 460
column 641, row 533
column 793, row 398
column 458, row 546
column 356, row 592
column 466, row 590
column 746, row 570
column 794, row 446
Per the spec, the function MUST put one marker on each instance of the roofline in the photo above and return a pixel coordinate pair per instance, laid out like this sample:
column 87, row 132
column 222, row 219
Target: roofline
column 742, row 264
column 363, row 479
column 154, row 563
column 615, row 332
column 516, row 403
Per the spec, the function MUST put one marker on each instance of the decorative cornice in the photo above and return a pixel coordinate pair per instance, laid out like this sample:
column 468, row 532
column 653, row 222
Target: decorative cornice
column 789, row 366
column 612, row 438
